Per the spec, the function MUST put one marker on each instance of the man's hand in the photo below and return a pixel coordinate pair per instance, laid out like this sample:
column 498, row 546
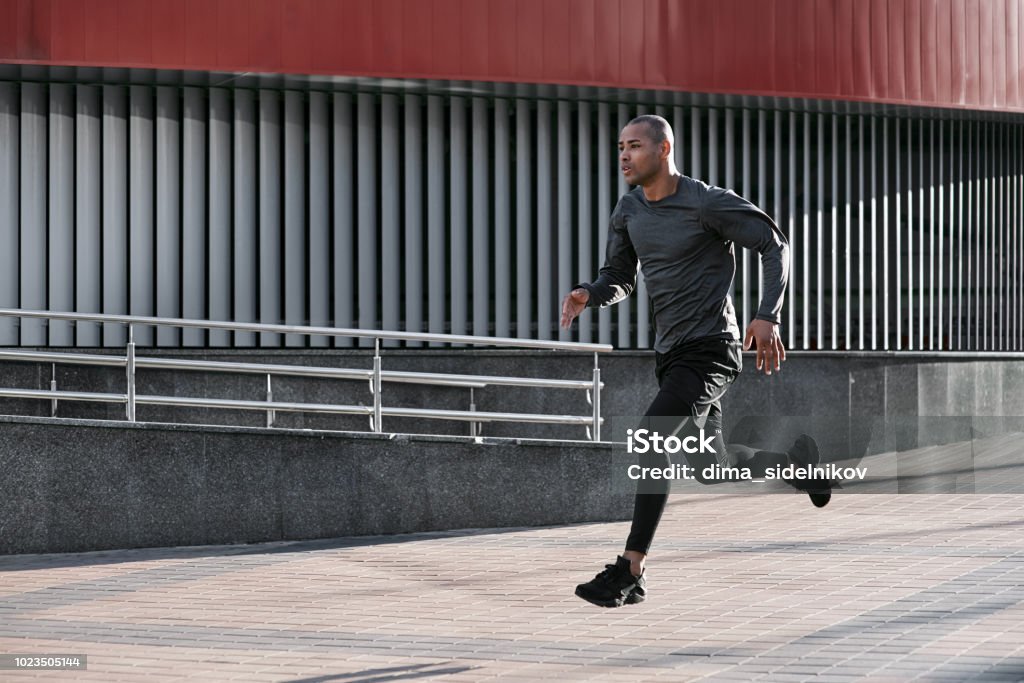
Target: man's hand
column 573, row 304
column 770, row 351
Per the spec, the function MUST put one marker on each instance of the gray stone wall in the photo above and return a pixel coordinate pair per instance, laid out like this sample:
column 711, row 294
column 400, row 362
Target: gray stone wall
column 75, row 485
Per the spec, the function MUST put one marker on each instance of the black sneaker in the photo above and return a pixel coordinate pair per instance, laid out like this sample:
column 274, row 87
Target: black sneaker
column 614, row 587
column 804, row 453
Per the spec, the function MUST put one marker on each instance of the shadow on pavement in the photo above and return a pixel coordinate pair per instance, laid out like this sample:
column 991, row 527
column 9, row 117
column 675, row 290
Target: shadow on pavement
column 396, row 673
column 25, row 562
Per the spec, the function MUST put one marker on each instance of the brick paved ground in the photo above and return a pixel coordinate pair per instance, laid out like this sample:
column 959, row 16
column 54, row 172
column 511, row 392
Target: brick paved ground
column 743, row 587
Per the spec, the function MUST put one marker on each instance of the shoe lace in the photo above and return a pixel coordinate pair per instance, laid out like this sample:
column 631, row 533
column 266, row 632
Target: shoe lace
column 610, row 572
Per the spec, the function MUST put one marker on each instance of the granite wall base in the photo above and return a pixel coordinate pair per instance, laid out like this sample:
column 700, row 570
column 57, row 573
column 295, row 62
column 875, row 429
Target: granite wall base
column 76, row 485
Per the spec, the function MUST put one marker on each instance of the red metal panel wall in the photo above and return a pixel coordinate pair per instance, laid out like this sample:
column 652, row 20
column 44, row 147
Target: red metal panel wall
column 932, row 52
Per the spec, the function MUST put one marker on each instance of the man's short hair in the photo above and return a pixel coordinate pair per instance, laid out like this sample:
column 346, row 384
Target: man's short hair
column 657, row 128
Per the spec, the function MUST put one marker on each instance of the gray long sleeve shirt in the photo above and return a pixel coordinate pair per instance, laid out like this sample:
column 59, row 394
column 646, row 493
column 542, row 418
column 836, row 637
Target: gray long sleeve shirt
column 684, row 244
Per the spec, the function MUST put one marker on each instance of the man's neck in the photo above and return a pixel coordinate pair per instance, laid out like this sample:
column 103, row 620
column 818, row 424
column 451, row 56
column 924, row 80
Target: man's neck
column 661, row 187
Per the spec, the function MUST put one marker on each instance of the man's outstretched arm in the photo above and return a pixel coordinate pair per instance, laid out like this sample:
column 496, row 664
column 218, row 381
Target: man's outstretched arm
column 616, row 280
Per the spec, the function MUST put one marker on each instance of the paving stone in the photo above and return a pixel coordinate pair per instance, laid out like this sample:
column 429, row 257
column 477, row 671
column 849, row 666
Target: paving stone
column 758, row 587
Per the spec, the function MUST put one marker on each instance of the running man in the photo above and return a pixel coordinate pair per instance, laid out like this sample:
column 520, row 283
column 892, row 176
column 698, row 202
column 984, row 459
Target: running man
column 681, row 232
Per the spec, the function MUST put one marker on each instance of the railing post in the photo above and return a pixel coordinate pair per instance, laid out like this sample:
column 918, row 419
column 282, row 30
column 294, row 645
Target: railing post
column 130, row 369
column 53, row 387
column 472, row 409
column 270, row 398
column 597, row 401
column 376, row 386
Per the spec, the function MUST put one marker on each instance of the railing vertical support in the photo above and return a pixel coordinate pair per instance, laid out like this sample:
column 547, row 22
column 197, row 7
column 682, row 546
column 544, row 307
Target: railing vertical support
column 130, row 370
column 270, row 398
column 376, row 386
column 473, row 426
column 53, row 387
column 596, row 434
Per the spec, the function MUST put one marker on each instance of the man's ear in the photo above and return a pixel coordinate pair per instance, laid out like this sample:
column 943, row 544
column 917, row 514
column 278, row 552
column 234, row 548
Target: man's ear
column 666, row 149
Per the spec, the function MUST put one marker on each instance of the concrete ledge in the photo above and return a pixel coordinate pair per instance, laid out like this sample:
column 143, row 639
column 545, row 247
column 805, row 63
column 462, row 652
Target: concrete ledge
column 75, row 485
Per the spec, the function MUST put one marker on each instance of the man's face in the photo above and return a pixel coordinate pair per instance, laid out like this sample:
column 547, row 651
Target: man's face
column 639, row 155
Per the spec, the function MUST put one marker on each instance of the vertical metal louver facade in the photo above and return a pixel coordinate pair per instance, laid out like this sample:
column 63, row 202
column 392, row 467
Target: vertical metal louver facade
column 473, row 215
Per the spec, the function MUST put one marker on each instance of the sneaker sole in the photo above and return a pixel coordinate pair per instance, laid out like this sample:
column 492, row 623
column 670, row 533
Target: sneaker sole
column 634, row 598
column 631, row 599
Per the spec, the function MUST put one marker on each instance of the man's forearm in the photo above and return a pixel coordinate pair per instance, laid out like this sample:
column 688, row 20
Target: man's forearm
column 606, row 290
column 775, row 277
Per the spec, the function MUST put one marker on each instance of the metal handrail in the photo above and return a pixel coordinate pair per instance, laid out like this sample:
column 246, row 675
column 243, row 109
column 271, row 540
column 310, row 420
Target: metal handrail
column 65, row 358
column 131, row 362
column 285, row 406
column 309, row 330
column 50, row 394
column 432, row 378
